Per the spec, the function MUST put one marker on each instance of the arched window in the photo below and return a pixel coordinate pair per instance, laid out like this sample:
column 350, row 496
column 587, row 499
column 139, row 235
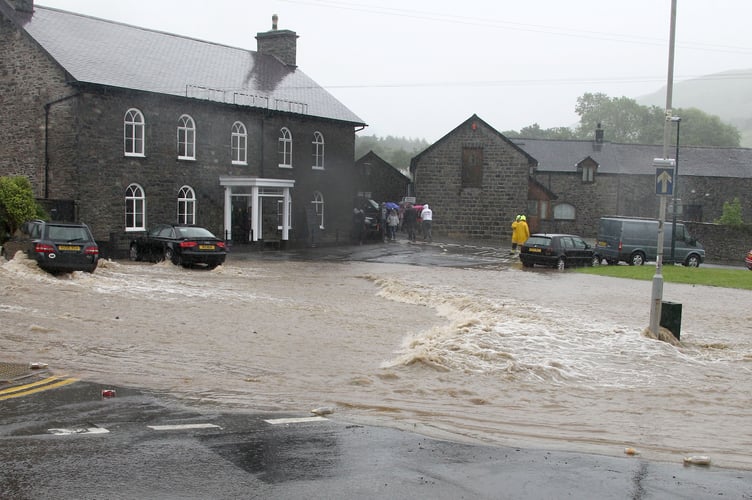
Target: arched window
column 135, row 208
column 186, row 138
column 318, row 206
column 134, row 128
column 186, row 205
column 318, row 150
column 239, row 144
column 285, row 148
column 564, row 211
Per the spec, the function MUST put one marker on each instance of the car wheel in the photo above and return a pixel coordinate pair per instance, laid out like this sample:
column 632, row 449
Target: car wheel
column 637, row 259
column 169, row 255
column 134, row 254
column 693, row 260
column 561, row 264
column 527, row 264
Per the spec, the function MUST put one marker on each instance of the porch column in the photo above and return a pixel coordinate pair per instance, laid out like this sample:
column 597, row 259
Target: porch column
column 286, row 214
column 255, row 216
column 228, row 213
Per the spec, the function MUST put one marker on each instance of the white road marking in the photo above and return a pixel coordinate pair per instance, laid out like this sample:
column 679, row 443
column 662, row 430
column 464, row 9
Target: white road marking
column 183, row 426
column 80, row 430
column 277, row 421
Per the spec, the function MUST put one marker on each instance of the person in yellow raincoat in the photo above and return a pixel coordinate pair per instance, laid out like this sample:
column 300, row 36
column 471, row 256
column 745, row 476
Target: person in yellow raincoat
column 520, row 232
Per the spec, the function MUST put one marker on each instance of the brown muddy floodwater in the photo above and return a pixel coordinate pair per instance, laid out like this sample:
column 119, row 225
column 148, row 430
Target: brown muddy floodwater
column 513, row 357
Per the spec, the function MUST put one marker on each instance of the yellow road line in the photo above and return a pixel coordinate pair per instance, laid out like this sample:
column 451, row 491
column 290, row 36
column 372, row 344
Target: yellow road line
column 34, row 387
column 27, row 386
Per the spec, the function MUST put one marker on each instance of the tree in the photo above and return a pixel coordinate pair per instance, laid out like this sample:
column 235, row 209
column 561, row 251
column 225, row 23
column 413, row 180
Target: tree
column 626, row 121
column 732, row 213
column 535, row 132
column 17, row 204
column 397, row 151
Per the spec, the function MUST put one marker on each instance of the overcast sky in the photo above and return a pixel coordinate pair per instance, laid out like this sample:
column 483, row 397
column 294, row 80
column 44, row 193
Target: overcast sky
column 417, row 68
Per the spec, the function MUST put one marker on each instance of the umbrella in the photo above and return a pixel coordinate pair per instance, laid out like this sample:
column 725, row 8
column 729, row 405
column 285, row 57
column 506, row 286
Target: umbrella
column 391, row 205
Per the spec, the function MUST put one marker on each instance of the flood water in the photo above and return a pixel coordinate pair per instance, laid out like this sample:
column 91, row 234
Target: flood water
column 498, row 356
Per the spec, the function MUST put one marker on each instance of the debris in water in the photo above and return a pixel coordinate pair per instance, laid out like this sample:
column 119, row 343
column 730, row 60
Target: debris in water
column 631, row 451
column 37, row 366
column 697, row 460
column 324, row 410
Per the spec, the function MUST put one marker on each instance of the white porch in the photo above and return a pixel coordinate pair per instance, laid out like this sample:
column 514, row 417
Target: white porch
column 255, row 189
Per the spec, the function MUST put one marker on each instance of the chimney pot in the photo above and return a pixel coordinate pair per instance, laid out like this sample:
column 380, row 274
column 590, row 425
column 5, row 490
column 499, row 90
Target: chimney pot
column 275, row 18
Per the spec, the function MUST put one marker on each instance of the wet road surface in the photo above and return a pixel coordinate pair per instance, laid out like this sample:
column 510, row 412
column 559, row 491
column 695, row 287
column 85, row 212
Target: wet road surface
column 71, row 443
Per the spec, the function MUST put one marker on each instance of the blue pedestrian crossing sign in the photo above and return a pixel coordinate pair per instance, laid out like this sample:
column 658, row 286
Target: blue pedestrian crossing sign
column 665, row 172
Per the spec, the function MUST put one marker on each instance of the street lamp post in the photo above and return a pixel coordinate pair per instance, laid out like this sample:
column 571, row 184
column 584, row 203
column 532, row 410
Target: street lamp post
column 677, row 120
column 656, row 295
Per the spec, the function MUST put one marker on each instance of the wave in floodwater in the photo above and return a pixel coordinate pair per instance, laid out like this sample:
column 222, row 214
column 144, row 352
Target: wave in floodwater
column 512, row 357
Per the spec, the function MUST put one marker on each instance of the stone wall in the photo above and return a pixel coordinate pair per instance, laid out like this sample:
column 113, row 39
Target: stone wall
column 723, row 244
column 700, row 198
column 381, row 179
column 103, row 172
column 28, row 82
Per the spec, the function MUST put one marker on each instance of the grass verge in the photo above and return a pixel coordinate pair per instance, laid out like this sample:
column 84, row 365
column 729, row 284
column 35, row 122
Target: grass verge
column 709, row 276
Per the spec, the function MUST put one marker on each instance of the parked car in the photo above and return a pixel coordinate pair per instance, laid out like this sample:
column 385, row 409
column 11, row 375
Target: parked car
column 635, row 241
column 57, row 247
column 181, row 244
column 748, row 260
column 557, row 250
column 372, row 217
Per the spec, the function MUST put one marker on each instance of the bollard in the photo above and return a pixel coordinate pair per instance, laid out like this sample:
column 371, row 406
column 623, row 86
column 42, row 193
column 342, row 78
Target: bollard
column 671, row 317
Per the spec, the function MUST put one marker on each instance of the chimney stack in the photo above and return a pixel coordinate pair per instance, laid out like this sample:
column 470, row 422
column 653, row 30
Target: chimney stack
column 598, row 134
column 281, row 44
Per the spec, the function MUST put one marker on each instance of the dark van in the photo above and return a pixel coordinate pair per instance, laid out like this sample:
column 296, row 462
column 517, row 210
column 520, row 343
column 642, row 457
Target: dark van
column 634, row 240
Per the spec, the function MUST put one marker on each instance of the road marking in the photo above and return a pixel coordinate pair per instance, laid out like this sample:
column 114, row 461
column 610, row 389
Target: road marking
column 79, row 430
column 183, row 426
column 34, row 387
column 277, row 421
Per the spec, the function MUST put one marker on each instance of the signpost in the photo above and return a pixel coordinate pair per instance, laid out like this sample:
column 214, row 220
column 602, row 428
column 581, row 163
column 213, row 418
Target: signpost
column 666, row 183
column 665, row 174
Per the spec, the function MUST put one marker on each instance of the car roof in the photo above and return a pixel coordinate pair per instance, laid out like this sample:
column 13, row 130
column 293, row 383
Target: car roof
column 552, row 235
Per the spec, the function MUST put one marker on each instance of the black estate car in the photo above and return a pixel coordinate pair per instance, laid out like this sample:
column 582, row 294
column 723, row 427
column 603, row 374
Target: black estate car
column 557, row 250
column 59, row 247
column 181, row 244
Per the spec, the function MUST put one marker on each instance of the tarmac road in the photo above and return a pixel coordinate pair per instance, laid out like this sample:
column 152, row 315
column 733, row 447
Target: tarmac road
column 70, row 442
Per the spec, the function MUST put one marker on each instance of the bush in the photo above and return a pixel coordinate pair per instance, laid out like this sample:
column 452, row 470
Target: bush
column 732, row 213
column 17, row 204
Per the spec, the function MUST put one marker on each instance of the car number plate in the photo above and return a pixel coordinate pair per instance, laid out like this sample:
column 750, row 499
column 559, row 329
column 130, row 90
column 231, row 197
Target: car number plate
column 69, row 248
column 602, row 243
column 206, row 247
column 534, row 250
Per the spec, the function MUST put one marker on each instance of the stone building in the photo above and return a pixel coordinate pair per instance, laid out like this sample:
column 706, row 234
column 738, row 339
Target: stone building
column 134, row 127
column 595, row 178
column 380, row 180
column 475, row 179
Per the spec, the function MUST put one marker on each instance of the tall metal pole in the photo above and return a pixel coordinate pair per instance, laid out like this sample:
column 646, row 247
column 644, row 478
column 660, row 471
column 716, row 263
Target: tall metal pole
column 676, row 119
column 657, row 291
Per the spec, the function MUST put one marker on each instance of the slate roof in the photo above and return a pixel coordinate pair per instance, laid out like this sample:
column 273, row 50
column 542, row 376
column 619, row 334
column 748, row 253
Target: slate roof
column 102, row 52
column 637, row 159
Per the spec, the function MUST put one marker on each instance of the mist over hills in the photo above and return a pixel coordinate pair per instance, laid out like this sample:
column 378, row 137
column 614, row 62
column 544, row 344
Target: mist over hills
column 727, row 95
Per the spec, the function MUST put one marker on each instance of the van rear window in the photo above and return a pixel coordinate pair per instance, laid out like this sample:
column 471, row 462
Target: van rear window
column 609, row 227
